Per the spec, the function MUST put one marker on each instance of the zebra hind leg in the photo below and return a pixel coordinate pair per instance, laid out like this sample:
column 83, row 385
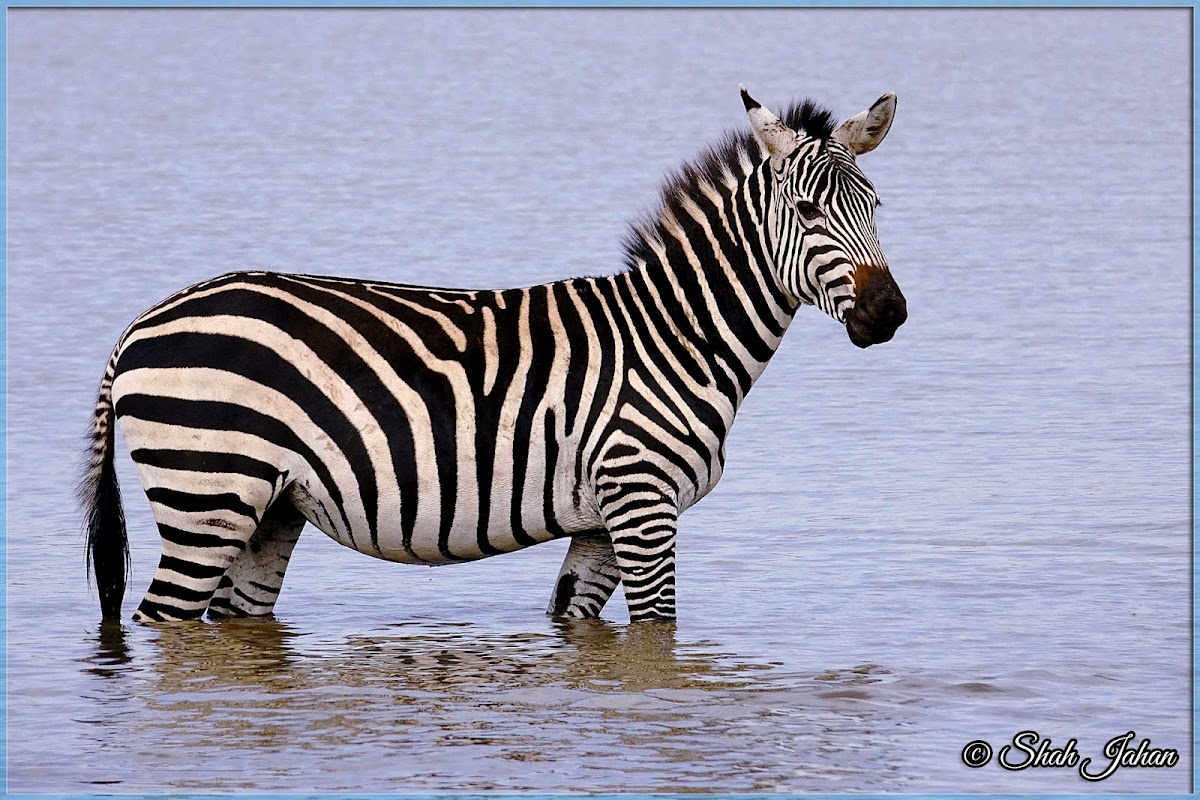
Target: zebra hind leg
column 251, row 584
column 202, row 534
column 587, row 579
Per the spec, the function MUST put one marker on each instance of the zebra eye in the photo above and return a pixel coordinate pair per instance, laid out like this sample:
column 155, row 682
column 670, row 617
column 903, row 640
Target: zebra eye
column 810, row 211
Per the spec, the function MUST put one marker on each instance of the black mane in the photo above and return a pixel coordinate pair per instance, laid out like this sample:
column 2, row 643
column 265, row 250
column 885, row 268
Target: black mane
column 805, row 116
column 711, row 167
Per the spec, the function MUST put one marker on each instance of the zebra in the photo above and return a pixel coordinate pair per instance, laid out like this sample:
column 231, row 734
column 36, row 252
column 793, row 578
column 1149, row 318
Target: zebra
column 431, row 426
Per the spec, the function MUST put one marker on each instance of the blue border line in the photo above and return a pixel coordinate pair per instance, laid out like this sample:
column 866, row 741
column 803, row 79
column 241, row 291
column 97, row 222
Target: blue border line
column 4, row 409
column 625, row 4
column 1195, row 721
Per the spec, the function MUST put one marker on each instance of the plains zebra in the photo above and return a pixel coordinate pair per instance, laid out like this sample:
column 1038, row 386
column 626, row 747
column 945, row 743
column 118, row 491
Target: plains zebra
column 430, row 426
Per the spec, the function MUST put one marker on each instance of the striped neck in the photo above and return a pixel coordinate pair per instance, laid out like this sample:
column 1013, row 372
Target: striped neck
column 705, row 263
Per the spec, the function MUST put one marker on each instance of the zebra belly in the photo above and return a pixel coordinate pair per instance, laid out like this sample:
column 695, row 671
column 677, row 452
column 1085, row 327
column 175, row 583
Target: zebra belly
column 324, row 484
column 452, row 500
column 470, row 531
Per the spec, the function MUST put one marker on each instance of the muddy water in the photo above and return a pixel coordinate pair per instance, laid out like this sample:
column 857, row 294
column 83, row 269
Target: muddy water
column 980, row 528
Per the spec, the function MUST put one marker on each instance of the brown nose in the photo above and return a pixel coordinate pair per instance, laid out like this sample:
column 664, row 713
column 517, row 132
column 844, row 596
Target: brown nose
column 879, row 307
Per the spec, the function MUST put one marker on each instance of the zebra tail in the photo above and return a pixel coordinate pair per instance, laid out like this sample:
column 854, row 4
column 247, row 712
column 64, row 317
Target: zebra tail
column 100, row 495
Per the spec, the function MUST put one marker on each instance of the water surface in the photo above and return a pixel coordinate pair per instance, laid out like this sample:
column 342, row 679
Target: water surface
column 979, row 528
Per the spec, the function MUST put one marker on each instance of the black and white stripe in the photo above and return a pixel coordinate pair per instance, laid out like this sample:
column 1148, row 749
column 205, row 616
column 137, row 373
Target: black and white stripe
column 430, row 426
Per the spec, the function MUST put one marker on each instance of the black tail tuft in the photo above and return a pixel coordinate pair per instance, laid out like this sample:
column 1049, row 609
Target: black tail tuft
column 107, row 542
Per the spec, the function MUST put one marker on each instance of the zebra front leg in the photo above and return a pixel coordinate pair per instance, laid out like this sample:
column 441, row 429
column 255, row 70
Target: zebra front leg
column 588, row 577
column 252, row 582
column 643, row 540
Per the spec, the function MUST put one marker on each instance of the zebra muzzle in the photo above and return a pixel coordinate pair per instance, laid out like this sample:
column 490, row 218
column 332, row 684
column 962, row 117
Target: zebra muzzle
column 879, row 307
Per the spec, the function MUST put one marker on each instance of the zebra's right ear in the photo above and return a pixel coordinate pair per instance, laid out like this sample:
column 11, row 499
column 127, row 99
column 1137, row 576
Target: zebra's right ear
column 776, row 138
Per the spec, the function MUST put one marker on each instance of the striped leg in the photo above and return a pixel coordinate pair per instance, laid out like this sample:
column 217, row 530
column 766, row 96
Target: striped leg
column 643, row 537
column 251, row 585
column 588, row 577
column 202, row 535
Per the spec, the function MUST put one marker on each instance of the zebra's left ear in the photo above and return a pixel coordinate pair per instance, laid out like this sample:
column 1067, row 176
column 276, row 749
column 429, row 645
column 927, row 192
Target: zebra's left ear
column 778, row 139
column 863, row 132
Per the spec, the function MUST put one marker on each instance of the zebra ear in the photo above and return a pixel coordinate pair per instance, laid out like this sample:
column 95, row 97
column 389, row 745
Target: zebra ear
column 863, row 132
column 776, row 138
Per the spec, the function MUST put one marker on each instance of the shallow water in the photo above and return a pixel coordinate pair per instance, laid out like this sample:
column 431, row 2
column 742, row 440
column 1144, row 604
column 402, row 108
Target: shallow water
column 980, row 528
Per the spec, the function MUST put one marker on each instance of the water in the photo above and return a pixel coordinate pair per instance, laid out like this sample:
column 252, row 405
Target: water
column 977, row 529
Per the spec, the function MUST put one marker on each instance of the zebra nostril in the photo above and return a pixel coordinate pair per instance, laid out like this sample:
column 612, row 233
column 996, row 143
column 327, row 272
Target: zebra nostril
column 880, row 310
column 881, row 304
column 891, row 316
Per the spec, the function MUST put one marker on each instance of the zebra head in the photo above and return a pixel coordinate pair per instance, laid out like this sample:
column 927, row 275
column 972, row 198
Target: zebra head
column 820, row 218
